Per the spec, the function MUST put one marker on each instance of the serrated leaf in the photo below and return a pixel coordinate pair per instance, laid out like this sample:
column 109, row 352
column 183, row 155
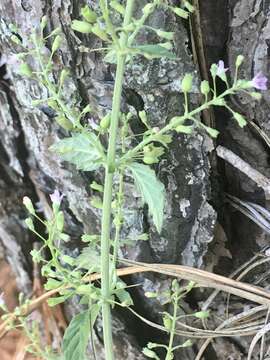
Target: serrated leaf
column 89, row 258
column 153, row 51
column 76, row 337
column 151, row 189
column 111, row 57
column 83, row 150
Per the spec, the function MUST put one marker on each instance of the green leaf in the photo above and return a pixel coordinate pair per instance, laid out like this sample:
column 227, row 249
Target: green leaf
column 52, row 284
column 76, row 337
column 153, row 51
column 94, row 311
column 122, row 294
column 57, row 300
column 111, row 57
column 89, row 258
column 151, row 189
column 83, row 150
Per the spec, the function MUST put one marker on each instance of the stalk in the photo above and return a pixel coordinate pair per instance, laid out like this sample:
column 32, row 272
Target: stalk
column 108, row 189
column 172, row 125
column 173, row 326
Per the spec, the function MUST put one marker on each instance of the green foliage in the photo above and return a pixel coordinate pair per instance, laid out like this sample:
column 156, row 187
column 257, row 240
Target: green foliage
column 83, row 150
column 151, row 190
column 76, row 336
column 174, row 296
column 86, row 150
column 153, row 51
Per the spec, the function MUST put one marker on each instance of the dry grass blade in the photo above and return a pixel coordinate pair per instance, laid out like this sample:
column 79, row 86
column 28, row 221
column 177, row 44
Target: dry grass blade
column 200, row 277
column 260, row 132
column 256, row 338
column 237, row 318
column 210, row 280
column 211, row 298
column 261, row 180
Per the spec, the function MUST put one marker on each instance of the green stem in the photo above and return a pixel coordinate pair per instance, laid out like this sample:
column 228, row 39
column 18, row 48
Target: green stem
column 140, row 23
column 51, row 87
column 172, row 124
column 118, row 218
column 172, row 332
column 108, row 187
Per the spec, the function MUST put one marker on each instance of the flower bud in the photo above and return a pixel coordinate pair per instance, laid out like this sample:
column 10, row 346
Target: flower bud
column 81, row 26
column 219, row 102
column 117, row 7
column 167, row 323
column 184, row 129
column 165, row 34
column 180, row 12
column 149, row 160
column 148, row 9
column 64, row 122
column 25, row 70
column 56, row 44
column 105, row 122
column 60, row 221
column 187, row 83
column 44, row 22
column 205, row 88
column 239, row 60
column 96, row 29
column 188, row 6
column 240, row 119
column 255, row 95
column 212, row 132
column 29, row 205
column 201, row 314
column 149, row 353
column 88, row 14
column 15, row 39
column 30, row 224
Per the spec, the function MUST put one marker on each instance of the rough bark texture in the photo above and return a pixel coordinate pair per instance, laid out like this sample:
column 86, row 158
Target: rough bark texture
column 28, row 167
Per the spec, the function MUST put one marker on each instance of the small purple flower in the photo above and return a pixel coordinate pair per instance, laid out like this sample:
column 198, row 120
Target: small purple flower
column 259, row 81
column 2, row 300
column 221, row 70
column 56, row 197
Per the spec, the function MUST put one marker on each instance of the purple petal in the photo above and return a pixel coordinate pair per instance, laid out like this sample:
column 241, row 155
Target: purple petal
column 56, row 197
column 2, row 300
column 221, row 68
column 259, row 81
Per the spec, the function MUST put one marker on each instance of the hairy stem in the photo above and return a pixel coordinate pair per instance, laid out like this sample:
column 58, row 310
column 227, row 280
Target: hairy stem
column 172, row 332
column 172, row 125
column 108, row 189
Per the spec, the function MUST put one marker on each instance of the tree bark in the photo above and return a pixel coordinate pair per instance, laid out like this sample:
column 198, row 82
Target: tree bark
column 29, row 168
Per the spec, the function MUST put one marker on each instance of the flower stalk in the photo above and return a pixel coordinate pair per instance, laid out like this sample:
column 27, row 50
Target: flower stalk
column 108, row 189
